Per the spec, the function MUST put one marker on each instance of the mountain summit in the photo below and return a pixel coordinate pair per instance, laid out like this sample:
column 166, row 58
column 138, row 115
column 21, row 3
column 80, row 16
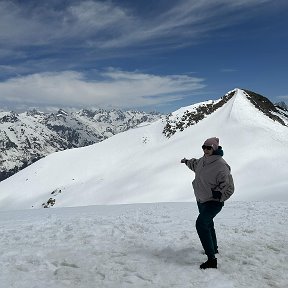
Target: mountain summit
column 143, row 164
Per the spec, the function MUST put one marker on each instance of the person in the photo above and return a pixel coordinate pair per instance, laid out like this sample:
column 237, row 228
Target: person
column 213, row 184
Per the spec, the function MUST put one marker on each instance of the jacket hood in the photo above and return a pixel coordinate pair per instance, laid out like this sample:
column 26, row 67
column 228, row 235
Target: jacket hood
column 219, row 151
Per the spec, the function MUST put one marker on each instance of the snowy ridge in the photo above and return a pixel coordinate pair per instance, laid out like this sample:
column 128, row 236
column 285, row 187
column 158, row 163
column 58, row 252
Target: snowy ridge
column 241, row 111
column 142, row 165
column 191, row 115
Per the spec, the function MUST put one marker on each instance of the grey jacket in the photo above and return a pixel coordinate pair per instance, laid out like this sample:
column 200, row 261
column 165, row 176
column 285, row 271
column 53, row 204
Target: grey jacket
column 212, row 175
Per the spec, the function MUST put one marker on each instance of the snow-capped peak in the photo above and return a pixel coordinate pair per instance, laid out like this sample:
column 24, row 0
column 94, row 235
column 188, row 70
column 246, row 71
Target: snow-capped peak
column 142, row 165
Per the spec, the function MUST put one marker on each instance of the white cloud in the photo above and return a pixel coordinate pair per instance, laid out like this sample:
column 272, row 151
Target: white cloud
column 46, row 24
column 114, row 88
column 104, row 24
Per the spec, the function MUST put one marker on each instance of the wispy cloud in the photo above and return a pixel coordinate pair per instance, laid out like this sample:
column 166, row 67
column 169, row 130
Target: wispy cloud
column 105, row 24
column 45, row 43
column 41, row 36
column 114, row 88
column 228, row 70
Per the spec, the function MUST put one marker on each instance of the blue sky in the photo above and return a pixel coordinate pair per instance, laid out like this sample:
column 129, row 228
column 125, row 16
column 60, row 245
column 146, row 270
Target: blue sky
column 142, row 54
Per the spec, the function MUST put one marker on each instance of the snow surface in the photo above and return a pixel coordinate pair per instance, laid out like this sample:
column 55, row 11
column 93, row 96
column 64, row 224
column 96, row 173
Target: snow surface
column 143, row 245
column 143, row 166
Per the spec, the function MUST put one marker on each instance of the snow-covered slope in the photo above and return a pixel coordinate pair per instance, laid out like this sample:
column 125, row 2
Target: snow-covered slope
column 142, row 165
column 143, row 245
column 29, row 136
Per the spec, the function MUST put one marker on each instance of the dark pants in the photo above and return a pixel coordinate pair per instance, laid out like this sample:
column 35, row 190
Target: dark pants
column 205, row 226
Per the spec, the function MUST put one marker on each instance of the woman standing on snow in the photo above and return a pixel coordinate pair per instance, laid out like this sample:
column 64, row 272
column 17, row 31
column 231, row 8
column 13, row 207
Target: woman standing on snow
column 213, row 184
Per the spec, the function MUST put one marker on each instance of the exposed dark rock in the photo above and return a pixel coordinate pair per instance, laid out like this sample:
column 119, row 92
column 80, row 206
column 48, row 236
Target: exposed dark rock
column 264, row 105
column 190, row 118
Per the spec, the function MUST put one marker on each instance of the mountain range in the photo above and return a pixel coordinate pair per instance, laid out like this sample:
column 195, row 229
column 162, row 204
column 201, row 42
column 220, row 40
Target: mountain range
column 142, row 164
column 29, row 136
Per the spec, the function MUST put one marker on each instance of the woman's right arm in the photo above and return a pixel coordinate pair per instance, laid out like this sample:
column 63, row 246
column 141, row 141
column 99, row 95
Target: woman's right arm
column 191, row 164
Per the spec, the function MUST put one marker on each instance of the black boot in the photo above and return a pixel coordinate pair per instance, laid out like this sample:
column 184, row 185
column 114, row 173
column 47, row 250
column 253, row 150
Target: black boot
column 210, row 263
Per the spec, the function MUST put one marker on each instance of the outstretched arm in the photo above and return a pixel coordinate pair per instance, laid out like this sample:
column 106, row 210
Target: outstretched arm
column 191, row 164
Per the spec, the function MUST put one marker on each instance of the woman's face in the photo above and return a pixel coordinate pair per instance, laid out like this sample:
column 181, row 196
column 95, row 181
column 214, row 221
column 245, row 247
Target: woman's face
column 208, row 150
